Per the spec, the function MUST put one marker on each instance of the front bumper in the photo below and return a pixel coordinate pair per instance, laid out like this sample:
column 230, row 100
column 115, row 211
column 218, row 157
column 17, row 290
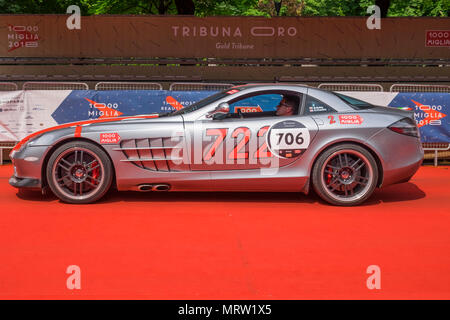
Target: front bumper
column 27, row 167
column 28, row 183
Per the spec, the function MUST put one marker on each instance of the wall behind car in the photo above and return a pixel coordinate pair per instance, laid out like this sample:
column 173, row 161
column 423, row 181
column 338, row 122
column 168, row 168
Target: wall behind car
column 112, row 36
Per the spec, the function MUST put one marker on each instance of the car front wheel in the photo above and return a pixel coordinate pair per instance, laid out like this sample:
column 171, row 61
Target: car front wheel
column 345, row 175
column 79, row 172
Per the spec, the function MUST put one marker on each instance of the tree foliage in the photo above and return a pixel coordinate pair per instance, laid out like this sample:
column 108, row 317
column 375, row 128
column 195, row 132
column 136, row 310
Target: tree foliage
column 418, row 8
column 40, row 6
column 133, row 7
column 227, row 8
column 202, row 8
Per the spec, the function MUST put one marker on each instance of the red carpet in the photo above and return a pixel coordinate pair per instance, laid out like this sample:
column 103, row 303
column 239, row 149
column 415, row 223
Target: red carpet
column 228, row 246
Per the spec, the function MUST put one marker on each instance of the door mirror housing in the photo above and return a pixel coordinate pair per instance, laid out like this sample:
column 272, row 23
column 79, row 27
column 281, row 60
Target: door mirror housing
column 220, row 112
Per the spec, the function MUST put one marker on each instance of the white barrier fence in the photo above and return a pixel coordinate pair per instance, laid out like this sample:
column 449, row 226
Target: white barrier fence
column 5, row 146
column 198, row 86
column 419, row 88
column 128, row 86
column 192, row 86
column 8, row 86
column 436, row 147
column 351, row 87
column 55, row 86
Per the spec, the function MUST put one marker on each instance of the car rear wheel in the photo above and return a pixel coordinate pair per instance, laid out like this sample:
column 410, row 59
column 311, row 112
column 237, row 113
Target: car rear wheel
column 79, row 172
column 345, row 175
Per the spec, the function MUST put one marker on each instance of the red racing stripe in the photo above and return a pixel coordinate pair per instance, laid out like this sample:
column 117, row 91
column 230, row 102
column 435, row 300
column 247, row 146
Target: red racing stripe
column 79, row 123
column 78, row 131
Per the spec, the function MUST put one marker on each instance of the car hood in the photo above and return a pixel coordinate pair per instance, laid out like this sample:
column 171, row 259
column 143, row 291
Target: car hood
column 80, row 123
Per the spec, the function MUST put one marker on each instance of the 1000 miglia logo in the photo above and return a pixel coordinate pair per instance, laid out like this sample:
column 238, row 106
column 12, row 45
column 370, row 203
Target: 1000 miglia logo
column 102, row 110
column 22, row 36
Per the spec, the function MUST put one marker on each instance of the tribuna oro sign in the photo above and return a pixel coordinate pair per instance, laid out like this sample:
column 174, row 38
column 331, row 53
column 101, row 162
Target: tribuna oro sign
column 233, row 34
column 228, row 31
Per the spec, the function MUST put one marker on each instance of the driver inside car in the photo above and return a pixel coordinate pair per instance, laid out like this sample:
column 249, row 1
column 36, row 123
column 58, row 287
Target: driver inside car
column 286, row 107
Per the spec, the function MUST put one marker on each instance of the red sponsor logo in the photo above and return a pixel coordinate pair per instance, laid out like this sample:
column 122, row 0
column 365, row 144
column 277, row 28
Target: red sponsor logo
column 109, row 137
column 232, row 91
column 174, row 103
column 437, row 38
column 248, row 109
column 350, row 119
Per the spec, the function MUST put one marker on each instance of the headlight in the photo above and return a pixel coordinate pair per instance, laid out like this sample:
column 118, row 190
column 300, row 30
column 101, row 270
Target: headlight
column 23, row 143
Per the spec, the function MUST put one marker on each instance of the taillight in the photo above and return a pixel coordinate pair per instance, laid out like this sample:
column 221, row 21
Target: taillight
column 405, row 126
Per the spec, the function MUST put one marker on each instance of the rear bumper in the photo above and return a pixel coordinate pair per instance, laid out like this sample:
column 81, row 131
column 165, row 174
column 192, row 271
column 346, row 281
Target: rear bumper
column 28, row 183
column 400, row 156
column 401, row 175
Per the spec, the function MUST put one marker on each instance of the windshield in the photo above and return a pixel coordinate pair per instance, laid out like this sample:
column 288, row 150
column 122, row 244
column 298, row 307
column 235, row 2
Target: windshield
column 355, row 103
column 200, row 104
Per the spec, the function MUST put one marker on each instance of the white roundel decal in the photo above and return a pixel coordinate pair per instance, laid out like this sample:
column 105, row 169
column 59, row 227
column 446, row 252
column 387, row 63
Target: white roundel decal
column 288, row 139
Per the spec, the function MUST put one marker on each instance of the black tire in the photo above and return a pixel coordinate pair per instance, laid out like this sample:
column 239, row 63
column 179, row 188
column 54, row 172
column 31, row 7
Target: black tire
column 79, row 172
column 345, row 175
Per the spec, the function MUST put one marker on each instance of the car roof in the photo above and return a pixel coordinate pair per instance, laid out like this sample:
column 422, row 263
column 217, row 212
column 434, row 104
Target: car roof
column 276, row 84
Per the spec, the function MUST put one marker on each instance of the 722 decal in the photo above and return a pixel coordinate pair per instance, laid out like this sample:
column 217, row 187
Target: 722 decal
column 241, row 136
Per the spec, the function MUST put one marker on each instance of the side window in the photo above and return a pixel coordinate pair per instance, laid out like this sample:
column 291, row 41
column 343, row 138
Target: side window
column 315, row 106
column 266, row 104
column 258, row 103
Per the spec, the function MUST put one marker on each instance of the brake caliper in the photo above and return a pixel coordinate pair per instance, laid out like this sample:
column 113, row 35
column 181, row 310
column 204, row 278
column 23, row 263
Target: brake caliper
column 95, row 172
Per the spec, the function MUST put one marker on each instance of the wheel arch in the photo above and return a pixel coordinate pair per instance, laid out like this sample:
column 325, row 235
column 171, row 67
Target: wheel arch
column 44, row 181
column 356, row 142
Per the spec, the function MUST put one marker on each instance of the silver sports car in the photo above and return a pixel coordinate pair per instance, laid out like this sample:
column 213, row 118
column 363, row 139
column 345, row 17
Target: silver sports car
column 271, row 137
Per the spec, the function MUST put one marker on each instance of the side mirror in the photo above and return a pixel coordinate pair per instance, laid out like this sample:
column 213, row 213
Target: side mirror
column 220, row 112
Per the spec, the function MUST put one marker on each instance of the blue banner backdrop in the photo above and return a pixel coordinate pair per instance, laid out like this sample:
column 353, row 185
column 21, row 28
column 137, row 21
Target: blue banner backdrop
column 90, row 104
column 431, row 109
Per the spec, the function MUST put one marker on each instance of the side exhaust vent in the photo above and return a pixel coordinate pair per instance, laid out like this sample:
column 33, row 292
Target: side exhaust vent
column 161, row 187
column 145, row 187
column 153, row 187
